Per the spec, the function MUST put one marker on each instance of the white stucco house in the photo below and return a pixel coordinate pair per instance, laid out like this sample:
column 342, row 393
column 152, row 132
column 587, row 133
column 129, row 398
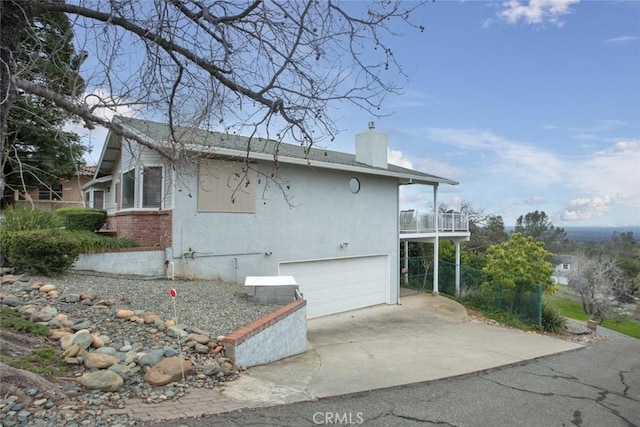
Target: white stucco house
column 329, row 219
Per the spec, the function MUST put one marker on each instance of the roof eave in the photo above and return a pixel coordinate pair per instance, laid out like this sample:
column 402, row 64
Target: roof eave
column 408, row 178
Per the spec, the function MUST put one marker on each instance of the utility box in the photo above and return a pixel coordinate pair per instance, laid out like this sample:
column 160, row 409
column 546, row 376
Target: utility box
column 271, row 289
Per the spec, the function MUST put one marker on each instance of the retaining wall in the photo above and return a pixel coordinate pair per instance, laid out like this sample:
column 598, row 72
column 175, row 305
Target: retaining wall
column 275, row 336
column 146, row 261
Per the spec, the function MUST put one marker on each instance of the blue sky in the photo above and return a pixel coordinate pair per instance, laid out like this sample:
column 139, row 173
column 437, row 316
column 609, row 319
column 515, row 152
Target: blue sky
column 529, row 104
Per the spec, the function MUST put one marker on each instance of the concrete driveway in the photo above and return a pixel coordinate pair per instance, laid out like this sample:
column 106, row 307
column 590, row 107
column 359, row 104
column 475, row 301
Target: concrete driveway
column 425, row 338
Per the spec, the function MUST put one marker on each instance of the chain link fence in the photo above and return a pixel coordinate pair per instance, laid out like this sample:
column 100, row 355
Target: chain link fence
column 523, row 302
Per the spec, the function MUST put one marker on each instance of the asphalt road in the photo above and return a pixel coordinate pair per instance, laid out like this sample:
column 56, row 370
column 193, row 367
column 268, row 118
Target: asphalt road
column 596, row 386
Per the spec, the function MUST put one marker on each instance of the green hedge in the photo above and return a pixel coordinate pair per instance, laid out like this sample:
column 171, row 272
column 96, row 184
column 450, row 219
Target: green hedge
column 45, row 252
column 90, row 242
column 82, row 218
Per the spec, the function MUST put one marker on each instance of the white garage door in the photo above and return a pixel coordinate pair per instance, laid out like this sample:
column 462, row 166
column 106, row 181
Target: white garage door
column 340, row 284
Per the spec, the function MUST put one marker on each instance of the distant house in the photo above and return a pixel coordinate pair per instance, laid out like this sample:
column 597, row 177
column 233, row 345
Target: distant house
column 329, row 219
column 67, row 192
column 562, row 269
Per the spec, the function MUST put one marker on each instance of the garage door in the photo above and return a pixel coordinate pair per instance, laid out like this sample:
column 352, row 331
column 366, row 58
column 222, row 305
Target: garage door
column 340, row 284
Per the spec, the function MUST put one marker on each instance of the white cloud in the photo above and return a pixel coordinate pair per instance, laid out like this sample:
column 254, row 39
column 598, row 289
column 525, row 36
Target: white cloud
column 622, row 146
column 507, row 158
column 396, row 157
column 622, row 39
column 417, row 197
column 611, row 176
column 437, row 168
column 586, row 208
column 584, row 182
column 535, row 200
column 536, row 11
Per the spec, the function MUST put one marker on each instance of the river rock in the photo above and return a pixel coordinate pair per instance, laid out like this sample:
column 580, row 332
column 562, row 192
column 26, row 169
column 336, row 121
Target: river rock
column 66, row 341
column 123, row 370
column 70, row 297
column 81, row 325
column 167, row 371
column 56, row 334
column 102, row 380
column 98, row 340
column 199, row 338
column 8, row 279
column 46, row 288
column 12, row 301
column 44, row 314
column 152, row 357
column 150, row 317
column 83, row 338
column 99, row 360
column 124, row 314
column 176, row 332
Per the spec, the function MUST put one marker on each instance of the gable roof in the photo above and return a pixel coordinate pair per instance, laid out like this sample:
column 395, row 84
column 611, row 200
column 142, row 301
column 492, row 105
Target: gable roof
column 229, row 145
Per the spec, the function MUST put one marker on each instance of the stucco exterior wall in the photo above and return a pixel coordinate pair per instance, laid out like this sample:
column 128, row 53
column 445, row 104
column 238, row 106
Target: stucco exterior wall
column 320, row 215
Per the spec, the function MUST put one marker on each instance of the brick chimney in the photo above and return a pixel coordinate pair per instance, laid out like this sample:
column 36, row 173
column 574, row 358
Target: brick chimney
column 371, row 147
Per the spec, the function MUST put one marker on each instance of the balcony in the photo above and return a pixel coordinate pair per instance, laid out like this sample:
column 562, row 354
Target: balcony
column 414, row 222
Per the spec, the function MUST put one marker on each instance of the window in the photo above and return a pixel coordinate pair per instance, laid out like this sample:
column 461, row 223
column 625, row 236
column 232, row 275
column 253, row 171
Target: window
column 98, row 199
column 53, row 192
column 148, row 182
column 152, row 187
column 94, row 199
column 128, row 189
column 226, row 186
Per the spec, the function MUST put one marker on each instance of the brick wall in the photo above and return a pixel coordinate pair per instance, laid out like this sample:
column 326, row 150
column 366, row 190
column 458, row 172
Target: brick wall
column 149, row 228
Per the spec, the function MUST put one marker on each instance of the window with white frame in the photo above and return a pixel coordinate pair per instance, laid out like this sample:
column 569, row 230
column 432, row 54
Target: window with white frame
column 226, row 186
column 142, row 189
column 128, row 189
column 152, row 187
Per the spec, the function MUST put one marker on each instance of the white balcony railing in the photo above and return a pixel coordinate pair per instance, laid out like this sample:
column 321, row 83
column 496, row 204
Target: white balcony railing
column 412, row 221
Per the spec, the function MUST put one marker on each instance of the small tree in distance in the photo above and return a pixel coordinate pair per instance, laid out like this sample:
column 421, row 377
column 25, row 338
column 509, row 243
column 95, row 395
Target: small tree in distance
column 600, row 283
column 538, row 225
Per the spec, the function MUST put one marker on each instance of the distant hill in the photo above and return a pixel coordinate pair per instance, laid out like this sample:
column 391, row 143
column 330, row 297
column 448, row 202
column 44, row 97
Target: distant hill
column 598, row 234
column 594, row 234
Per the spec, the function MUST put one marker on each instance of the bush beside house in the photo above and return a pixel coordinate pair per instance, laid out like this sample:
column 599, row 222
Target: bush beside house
column 38, row 242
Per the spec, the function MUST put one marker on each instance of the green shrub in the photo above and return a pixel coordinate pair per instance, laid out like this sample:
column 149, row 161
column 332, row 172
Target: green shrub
column 21, row 219
column 90, row 242
column 12, row 321
column 82, row 218
column 46, row 252
column 552, row 321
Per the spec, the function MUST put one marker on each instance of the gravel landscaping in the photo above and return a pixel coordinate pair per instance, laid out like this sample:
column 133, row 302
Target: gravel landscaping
column 214, row 307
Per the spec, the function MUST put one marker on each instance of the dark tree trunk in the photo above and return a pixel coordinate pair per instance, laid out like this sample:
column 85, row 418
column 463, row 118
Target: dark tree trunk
column 14, row 15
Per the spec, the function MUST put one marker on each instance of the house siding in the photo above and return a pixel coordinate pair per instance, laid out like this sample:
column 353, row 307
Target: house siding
column 321, row 213
column 136, row 157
